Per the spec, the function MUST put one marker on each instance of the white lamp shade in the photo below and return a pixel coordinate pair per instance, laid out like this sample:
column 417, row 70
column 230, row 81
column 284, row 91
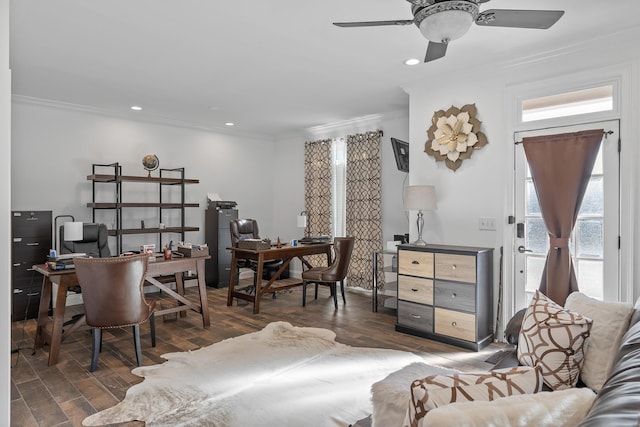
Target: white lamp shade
column 302, row 221
column 420, row 197
column 73, row 231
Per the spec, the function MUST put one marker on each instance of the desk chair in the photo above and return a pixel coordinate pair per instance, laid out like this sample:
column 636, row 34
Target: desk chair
column 335, row 272
column 94, row 241
column 113, row 294
column 241, row 229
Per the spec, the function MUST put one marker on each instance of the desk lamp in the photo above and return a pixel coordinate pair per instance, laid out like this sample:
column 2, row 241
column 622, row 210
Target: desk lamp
column 420, row 197
column 72, row 231
column 303, row 222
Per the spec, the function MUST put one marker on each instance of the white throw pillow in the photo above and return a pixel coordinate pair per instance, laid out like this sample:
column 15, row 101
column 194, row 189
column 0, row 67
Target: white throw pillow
column 610, row 322
column 553, row 338
column 566, row 408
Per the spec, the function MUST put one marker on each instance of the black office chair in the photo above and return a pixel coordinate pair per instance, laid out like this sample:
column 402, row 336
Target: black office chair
column 94, row 241
column 241, row 229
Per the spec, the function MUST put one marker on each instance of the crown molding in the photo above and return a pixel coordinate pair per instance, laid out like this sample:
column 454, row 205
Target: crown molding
column 344, row 127
column 624, row 41
column 139, row 116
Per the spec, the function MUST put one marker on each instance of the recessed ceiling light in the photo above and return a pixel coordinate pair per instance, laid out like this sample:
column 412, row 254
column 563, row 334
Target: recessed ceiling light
column 412, row 61
column 229, row 124
column 136, row 107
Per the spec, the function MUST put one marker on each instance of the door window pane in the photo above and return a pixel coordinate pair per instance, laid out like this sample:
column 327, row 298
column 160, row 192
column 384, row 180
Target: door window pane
column 533, row 207
column 589, row 238
column 593, row 202
column 537, row 238
column 535, row 265
column 589, row 274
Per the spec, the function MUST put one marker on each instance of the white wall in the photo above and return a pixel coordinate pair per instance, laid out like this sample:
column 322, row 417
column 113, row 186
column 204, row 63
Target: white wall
column 481, row 186
column 5, row 224
column 54, row 148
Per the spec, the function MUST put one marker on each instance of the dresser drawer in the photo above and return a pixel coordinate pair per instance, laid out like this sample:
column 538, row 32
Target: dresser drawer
column 458, row 296
column 415, row 289
column 31, row 223
column 461, row 268
column 415, row 263
column 455, row 324
column 416, row 316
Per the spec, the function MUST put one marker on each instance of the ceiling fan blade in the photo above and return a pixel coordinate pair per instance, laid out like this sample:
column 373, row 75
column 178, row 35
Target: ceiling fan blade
column 435, row 51
column 373, row 23
column 539, row 19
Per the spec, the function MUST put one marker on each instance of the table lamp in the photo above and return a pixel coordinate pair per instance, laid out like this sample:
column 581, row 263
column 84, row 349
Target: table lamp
column 303, row 222
column 72, row 231
column 421, row 198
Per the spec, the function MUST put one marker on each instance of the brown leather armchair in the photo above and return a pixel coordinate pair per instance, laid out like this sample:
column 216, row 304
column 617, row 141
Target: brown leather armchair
column 113, row 294
column 336, row 272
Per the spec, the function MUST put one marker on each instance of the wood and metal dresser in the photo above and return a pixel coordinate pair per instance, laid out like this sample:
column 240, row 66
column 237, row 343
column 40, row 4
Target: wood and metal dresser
column 445, row 294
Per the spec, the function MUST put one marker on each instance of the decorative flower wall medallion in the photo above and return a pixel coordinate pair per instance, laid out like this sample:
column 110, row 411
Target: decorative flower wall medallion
column 454, row 134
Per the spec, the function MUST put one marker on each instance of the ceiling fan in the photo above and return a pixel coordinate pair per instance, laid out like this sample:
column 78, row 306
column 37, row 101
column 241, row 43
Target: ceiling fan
column 442, row 21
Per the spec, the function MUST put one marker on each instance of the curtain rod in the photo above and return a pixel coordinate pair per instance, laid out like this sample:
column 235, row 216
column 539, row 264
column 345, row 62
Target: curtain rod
column 605, row 133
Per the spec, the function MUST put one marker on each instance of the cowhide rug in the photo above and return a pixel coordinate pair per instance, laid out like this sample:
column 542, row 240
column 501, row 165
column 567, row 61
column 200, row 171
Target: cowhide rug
column 280, row 376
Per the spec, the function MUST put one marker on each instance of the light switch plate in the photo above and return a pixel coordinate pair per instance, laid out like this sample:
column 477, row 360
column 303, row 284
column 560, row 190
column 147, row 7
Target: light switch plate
column 487, row 224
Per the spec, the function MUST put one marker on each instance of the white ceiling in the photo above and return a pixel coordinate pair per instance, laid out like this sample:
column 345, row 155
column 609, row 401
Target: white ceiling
column 271, row 66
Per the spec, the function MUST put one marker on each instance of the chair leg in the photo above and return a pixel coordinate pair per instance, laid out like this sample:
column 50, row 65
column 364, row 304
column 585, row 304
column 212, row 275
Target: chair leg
column 342, row 291
column 316, row 291
column 304, row 293
column 152, row 327
column 335, row 294
column 96, row 346
column 136, row 344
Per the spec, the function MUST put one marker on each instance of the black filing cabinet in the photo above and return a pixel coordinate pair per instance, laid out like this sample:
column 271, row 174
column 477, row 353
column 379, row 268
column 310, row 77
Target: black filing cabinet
column 30, row 244
column 218, row 238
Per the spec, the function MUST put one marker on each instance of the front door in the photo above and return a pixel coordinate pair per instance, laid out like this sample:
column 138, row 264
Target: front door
column 594, row 242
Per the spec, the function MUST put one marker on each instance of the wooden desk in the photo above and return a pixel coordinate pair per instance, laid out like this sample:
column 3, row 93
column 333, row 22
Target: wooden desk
column 67, row 278
column 286, row 254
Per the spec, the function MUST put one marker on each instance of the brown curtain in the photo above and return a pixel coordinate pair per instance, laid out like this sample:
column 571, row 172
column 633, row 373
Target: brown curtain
column 560, row 167
column 317, row 190
column 364, row 205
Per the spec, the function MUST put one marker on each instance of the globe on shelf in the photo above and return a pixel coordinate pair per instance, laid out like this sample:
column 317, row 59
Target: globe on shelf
column 150, row 163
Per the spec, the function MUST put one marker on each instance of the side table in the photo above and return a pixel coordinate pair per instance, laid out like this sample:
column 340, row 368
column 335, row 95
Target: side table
column 385, row 266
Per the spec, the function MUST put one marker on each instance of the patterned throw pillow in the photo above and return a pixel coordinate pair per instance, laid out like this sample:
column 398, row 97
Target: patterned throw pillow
column 553, row 339
column 439, row 390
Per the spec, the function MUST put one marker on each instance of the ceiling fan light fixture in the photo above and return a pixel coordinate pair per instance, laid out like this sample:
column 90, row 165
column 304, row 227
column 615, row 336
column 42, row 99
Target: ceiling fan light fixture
column 447, row 20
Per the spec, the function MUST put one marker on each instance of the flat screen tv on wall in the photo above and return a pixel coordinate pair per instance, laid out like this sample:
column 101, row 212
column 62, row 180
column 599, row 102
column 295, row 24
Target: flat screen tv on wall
column 401, row 152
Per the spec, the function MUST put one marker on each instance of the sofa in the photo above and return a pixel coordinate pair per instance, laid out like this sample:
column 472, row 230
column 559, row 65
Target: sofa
column 597, row 399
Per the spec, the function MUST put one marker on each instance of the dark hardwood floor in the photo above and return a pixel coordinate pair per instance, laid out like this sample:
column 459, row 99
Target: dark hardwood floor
column 64, row 394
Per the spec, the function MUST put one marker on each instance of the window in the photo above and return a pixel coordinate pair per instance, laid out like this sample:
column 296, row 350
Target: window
column 339, row 184
column 568, row 104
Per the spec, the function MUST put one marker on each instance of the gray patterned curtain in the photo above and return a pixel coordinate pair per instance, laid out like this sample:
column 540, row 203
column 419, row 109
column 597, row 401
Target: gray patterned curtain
column 317, row 190
column 364, row 207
